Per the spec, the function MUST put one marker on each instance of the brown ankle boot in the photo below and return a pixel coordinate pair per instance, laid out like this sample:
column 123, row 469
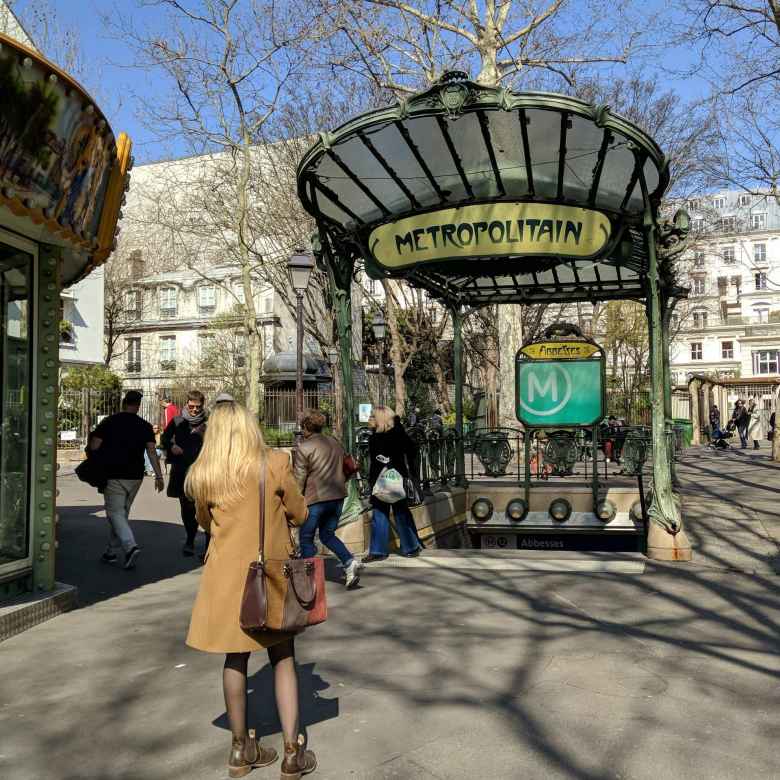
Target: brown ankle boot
column 297, row 761
column 246, row 754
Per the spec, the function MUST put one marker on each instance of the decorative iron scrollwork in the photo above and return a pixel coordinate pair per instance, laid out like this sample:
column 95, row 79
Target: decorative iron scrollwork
column 494, row 452
column 560, row 453
column 635, row 451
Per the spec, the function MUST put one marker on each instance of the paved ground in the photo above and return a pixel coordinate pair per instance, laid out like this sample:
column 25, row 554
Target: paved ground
column 623, row 670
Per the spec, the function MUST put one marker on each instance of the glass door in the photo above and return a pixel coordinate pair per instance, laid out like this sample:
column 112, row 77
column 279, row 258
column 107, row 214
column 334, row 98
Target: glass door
column 16, row 376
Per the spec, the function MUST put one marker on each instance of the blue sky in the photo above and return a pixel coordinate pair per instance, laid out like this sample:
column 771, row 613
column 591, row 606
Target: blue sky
column 114, row 85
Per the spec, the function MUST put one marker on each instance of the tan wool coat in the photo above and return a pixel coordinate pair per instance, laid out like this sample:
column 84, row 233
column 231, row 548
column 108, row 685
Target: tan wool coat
column 235, row 536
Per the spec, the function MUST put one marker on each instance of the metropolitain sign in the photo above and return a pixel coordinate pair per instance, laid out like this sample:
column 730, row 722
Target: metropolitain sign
column 490, row 230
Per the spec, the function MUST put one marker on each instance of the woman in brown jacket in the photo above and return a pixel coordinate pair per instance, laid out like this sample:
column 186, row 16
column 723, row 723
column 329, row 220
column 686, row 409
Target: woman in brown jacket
column 224, row 483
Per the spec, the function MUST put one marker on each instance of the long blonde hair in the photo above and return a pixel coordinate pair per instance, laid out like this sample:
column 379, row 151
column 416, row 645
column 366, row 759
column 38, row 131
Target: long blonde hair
column 233, row 451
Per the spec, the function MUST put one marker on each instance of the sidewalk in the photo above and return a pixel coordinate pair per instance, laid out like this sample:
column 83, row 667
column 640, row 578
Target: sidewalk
column 457, row 672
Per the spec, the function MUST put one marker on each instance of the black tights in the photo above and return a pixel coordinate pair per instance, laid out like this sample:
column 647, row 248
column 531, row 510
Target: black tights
column 282, row 658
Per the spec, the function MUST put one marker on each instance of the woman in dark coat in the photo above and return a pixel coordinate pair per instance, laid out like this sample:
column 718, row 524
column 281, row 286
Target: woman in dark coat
column 390, row 446
column 182, row 441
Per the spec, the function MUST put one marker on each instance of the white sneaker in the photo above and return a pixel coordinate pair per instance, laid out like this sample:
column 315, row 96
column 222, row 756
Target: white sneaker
column 353, row 574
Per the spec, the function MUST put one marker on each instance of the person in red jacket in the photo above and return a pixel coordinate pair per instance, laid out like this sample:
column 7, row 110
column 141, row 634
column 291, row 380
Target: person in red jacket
column 170, row 410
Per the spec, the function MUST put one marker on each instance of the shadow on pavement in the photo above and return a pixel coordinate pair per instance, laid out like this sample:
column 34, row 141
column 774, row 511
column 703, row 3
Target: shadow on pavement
column 82, row 537
column 261, row 712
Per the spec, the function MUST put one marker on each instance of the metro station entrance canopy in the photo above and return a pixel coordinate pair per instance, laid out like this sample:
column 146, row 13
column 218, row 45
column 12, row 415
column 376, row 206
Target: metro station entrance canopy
column 481, row 195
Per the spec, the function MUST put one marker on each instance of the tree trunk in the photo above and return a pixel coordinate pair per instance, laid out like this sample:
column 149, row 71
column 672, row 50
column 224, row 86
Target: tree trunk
column 442, row 390
column 396, row 355
column 510, row 337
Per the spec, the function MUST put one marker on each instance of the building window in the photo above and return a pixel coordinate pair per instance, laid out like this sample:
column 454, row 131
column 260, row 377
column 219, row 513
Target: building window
column 207, row 298
column 168, row 353
column 700, row 319
column 698, row 260
column 727, row 224
column 693, row 204
column 728, row 255
column 239, row 349
column 269, row 304
column 758, row 221
column 168, row 304
column 133, row 355
column 719, row 203
column 759, row 253
column 727, row 350
column 743, row 200
column 207, row 350
column 723, row 285
column 371, row 284
column 696, row 350
column 133, row 305
column 761, row 281
column 697, row 225
column 761, row 314
column 697, row 285
column 765, row 361
column 239, row 291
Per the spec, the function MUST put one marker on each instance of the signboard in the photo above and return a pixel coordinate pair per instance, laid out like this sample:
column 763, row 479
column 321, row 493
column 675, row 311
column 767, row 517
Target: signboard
column 560, row 350
column 490, row 230
column 562, row 392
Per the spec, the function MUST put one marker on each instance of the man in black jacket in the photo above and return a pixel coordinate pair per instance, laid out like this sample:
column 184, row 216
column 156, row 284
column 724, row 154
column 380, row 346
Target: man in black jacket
column 182, row 440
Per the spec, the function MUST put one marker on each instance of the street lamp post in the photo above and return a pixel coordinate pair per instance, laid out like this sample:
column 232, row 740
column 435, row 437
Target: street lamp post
column 379, row 327
column 300, row 265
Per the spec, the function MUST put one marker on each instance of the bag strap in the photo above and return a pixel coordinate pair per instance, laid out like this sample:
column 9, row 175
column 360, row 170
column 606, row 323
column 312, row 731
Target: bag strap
column 262, row 514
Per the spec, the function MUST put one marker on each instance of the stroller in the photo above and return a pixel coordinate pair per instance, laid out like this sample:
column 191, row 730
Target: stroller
column 720, row 438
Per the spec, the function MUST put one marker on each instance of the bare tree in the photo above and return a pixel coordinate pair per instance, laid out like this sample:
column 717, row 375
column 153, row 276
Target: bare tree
column 224, row 70
column 738, row 46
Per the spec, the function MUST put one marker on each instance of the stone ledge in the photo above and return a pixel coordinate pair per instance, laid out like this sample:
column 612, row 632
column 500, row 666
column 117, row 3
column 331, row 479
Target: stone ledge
column 30, row 610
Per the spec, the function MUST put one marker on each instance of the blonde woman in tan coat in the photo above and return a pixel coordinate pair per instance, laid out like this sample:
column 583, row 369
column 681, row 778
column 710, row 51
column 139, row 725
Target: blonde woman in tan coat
column 224, row 483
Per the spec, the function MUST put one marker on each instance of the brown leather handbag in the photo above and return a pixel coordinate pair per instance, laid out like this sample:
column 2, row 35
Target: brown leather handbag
column 282, row 595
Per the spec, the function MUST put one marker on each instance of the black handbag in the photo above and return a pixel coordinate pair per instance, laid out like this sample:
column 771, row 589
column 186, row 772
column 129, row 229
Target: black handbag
column 92, row 472
column 413, row 488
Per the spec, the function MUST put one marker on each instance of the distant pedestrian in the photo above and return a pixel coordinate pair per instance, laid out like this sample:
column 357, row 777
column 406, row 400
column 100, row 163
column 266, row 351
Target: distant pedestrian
column 414, row 416
column 170, row 410
column 715, row 421
column 119, row 443
column 389, row 446
column 754, row 423
column 318, row 465
column 437, row 421
column 741, row 419
column 224, row 484
column 182, row 440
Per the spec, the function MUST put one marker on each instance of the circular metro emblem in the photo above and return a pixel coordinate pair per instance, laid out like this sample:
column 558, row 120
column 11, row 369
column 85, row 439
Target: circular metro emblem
column 547, row 390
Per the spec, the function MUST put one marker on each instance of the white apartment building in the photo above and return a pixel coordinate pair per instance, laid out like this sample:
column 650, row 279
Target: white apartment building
column 81, row 322
column 730, row 326
column 179, row 319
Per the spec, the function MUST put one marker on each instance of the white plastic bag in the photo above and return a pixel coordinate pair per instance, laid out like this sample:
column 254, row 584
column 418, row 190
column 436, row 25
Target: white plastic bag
column 389, row 486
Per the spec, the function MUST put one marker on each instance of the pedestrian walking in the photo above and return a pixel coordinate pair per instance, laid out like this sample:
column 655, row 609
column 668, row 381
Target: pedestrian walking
column 182, row 441
column 119, row 443
column 741, row 419
column 715, row 422
column 390, row 447
column 224, row 485
column 755, row 426
column 318, row 465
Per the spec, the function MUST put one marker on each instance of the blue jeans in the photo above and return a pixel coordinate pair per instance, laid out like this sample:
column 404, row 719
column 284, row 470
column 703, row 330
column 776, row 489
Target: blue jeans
column 324, row 515
column 380, row 528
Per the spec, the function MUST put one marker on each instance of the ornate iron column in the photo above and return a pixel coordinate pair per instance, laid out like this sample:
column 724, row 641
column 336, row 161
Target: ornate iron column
column 457, row 350
column 666, row 539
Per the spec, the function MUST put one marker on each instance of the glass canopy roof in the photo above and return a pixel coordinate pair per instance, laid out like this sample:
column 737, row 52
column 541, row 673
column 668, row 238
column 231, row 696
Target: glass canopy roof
column 460, row 144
